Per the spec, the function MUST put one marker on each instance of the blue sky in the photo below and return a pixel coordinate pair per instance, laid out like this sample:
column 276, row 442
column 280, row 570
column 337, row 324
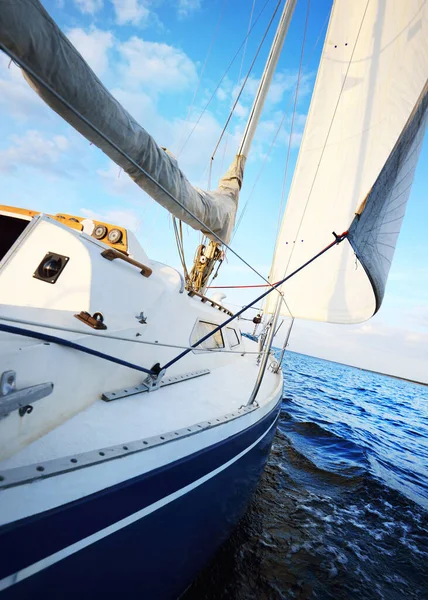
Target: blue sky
column 151, row 54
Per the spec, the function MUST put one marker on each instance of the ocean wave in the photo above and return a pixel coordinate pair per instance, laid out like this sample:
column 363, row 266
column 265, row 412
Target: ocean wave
column 339, row 513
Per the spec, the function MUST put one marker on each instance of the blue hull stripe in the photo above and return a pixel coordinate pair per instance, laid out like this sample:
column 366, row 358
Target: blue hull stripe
column 128, row 522
column 30, row 540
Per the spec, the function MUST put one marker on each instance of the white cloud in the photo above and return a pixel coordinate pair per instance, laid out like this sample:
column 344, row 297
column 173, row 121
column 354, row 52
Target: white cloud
column 221, row 94
column 186, row 7
column 89, row 6
column 93, row 46
column 33, row 149
column 17, row 99
column 131, row 11
column 419, row 314
column 373, row 345
column 118, row 182
column 159, row 66
column 241, row 111
column 124, row 218
column 282, row 83
column 286, row 81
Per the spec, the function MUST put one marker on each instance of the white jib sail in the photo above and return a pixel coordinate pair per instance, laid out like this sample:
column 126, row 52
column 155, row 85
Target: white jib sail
column 370, row 87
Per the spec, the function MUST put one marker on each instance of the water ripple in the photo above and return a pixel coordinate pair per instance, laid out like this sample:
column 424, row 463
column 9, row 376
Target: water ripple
column 341, row 510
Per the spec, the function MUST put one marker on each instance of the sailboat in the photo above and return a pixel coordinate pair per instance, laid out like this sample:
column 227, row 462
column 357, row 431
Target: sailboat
column 135, row 420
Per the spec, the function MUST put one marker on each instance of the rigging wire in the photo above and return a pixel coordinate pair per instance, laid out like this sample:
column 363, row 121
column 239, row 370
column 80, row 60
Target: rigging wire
column 222, row 79
column 327, row 136
column 246, row 78
column 338, row 240
column 119, row 150
column 203, row 239
column 178, row 231
column 198, row 85
column 156, row 369
column 241, row 216
column 118, row 338
column 211, row 161
column 290, row 137
column 246, row 40
column 293, row 119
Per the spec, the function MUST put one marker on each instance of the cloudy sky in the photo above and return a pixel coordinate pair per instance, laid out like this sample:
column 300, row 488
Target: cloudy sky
column 170, row 63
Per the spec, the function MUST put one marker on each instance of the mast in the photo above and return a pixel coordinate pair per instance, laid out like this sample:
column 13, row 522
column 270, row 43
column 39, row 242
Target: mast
column 208, row 255
column 266, row 79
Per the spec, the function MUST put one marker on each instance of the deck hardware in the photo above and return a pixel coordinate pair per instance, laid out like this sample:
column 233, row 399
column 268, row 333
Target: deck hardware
column 112, row 254
column 96, row 321
column 141, row 318
column 114, row 236
column 25, row 410
column 154, row 379
column 274, row 366
column 51, row 267
column 144, row 387
column 12, row 399
column 99, row 232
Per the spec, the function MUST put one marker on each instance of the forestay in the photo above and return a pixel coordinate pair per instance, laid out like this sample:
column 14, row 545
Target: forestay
column 28, row 31
column 358, row 154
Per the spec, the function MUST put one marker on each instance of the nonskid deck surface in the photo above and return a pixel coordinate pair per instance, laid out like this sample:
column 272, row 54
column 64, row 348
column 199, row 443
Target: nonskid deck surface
column 208, row 397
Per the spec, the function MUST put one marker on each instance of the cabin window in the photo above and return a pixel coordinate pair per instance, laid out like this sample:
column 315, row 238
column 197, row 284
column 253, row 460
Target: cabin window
column 10, row 230
column 201, row 329
column 232, row 337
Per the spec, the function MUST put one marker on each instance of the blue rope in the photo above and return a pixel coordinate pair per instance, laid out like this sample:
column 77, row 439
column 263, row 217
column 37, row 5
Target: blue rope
column 68, row 344
column 337, row 240
column 62, row 342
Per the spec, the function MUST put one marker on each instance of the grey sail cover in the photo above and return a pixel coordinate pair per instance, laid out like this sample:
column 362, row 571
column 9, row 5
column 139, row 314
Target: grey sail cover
column 27, row 30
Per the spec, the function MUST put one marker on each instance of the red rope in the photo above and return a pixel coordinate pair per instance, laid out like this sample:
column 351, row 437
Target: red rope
column 224, row 287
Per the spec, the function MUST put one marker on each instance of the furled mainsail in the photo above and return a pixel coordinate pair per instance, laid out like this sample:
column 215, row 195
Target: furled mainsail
column 28, row 31
column 358, row 155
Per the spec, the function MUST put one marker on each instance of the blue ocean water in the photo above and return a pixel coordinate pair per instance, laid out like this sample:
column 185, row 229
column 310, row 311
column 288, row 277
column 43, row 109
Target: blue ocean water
column 349, row 421
column 341, row 511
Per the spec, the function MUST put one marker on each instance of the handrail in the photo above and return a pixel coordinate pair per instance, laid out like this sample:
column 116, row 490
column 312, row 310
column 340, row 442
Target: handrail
column 111, row 254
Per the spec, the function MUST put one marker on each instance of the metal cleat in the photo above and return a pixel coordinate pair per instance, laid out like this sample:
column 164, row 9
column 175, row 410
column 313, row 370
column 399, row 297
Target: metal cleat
column 154, row 381
column 12, row 399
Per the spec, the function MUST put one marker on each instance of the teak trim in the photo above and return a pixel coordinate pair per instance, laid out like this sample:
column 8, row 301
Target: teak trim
column 111, row 254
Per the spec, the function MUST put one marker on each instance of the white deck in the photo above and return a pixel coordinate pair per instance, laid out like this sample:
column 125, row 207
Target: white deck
column 73, row 420
column 224, row 390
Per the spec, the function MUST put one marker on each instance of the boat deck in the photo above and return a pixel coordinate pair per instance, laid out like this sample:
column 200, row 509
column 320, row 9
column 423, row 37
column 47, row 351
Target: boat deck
column 145, row 415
